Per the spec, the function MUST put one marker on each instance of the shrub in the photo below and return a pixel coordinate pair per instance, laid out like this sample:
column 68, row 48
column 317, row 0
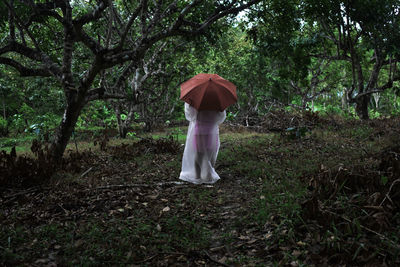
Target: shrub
column 3, row 127
column 18, row 123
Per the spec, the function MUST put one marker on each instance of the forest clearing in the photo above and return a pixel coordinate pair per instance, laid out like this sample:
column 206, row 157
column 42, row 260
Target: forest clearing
column 199, row 133
column 327, row 197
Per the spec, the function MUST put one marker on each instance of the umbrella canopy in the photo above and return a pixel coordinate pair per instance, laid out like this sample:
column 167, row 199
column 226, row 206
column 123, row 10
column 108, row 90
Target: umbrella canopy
column 208, row 92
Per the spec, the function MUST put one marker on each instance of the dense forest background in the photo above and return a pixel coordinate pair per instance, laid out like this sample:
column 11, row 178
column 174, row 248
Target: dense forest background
column 118, row 64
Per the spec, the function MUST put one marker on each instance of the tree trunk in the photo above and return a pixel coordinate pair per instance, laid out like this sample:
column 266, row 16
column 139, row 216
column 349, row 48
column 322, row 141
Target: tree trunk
column 377, row 97
column 362, row 107
column 345, row 101
column 123, row 130
column 71, row 114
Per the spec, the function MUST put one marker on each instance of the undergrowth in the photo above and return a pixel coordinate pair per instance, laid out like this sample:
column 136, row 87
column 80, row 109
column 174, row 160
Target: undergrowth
column 327, row 197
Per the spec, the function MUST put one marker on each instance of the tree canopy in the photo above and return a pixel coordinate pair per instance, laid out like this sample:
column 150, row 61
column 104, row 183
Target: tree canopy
column 74, row 42
column 56, row 57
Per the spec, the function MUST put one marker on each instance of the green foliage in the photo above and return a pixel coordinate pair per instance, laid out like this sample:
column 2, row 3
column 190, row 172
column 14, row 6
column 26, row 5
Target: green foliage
column 44, row 123
column 332, row 109
column 3, row 127
column 27, row 112
column 230, row 116
column 18, row 123
column 97, row 113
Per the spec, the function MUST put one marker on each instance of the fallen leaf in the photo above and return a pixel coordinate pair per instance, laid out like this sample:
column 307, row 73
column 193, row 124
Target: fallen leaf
column 166, row 209
column 301, row 243
column 296, row 253
column 268, row 236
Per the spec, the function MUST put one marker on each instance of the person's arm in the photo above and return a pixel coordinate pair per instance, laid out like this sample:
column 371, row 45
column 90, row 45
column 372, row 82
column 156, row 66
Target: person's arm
column 190, row 112
column 221, row 117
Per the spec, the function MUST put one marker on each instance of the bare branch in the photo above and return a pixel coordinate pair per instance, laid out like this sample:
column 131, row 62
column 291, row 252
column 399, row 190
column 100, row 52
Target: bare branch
column 11, row 20
column 23, row 71
column 129, row 25
column 22, row 25
column 125, row 74
column 176, row 29
column 82, row 36
column 68, row 48
column 92, row 15
column 380, row 89
column 34, row 55
column 100, row 93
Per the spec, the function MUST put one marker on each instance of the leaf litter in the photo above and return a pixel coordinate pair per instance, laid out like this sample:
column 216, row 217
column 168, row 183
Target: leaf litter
column 129, row 195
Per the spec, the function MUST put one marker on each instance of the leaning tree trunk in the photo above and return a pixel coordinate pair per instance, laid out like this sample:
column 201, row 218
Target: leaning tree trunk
column 75, row 103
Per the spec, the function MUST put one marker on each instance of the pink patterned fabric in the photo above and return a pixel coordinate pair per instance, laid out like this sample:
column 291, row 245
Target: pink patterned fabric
column 204, row 137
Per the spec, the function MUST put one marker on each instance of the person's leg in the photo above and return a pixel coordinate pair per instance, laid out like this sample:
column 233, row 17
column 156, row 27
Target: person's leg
column 210, row 166
column 198, row 161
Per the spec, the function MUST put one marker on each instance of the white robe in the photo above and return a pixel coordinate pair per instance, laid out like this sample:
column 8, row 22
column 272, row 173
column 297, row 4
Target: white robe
column 202, row 145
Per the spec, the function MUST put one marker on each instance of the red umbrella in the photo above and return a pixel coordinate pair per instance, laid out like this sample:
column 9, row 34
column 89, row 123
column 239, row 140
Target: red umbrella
column 208, row 92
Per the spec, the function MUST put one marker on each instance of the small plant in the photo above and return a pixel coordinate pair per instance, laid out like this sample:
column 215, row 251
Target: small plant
column 131, row 134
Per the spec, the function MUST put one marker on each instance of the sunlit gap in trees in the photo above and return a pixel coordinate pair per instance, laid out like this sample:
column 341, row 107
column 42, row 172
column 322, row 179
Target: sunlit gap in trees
column 243, row 18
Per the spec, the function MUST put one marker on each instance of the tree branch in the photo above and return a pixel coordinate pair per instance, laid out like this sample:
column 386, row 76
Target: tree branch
column 23, row 71
column 34, row 55
column 380, row 89
column 68, row 48
column 11, row 20
column 93, row 15
column 128, row 26
column 175, row 29
column 100, row 93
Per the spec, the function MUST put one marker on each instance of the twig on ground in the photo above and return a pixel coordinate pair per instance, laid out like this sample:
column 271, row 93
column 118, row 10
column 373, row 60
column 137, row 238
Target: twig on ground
column 387, row 196
column 121, row 186
column 214, row 260
column 147, row 259
column 86, row 172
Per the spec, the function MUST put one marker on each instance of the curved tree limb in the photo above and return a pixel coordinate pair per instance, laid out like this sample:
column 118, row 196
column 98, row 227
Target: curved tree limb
column 24, row 71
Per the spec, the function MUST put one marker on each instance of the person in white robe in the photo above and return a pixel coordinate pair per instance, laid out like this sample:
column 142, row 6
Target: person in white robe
column 202, row 145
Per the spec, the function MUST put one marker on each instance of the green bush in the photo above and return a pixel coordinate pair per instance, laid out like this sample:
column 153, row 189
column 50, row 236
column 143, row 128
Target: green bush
column 97, row 113
column 8, row 142
column 43, row 124
column 3, row 127
column 331, row 109
column 18, row 123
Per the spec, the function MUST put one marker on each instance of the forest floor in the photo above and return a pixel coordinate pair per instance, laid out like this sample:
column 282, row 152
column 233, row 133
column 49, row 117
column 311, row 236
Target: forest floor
column 322, row 193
